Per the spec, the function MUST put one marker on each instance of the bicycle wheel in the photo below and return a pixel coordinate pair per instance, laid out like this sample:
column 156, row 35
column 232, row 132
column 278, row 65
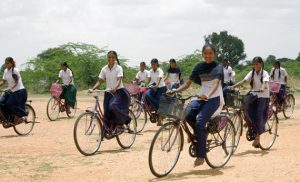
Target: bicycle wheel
column 72, row 111
column 141, row 119
column 268, row 138
column 220, row 146
column 53, row 109
column 237, row 120
column 127, row 138
column 288, row 106
column 165, row 149
column 27, row 125
column 87, row 133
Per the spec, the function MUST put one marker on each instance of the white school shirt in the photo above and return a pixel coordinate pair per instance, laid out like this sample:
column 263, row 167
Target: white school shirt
column 66, row 76
column 10, row 81
column 227, row 72
column 257, row 83
column 174, row 77
column 155, row 76
column 111, row 76
column 142, row 76
column 283, row 74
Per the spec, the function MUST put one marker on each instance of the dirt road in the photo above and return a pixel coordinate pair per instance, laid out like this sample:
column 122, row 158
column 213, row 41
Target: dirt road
column 49, row 154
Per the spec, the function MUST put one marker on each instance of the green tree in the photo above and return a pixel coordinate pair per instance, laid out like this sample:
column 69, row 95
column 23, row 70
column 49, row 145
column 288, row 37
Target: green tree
column 298, row 58
column 271, row 59
column 228, row 46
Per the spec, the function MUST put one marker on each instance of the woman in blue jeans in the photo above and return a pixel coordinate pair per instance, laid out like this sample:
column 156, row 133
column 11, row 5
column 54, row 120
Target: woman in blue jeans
column 208, row 74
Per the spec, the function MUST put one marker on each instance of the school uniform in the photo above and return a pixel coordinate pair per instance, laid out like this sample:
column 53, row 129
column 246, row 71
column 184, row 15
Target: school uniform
column 116, row 107
column 257, row 111
column 152, row 96
column 227, row 70
column 202, row 111
column 142, row 76
column 174, row 76
column 279, row 75
column 14, row 104
column 69, row 89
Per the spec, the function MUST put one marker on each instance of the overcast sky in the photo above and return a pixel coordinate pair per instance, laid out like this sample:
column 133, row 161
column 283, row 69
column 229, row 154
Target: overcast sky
column 142, row 29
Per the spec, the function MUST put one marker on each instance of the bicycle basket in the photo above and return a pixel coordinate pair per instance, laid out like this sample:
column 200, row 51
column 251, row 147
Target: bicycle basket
column 56, row 90
column 133, row 89
column 231, row 99
column 217, row 123
column 172, row 107
column 274, row 87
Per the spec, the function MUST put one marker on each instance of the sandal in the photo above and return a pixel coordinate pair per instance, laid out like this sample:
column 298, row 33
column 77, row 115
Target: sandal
column 198, row 162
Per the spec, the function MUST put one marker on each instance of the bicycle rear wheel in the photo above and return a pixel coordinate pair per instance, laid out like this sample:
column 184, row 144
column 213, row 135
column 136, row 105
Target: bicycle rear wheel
column 127, row 137
column 27, row 125
column 268, row 138
column 53, row 109
column 165, row 148
column 141, row 118
column 220, row 146
column 72, row 111
column 237, row 120
column 288, row 106
column 87, row 133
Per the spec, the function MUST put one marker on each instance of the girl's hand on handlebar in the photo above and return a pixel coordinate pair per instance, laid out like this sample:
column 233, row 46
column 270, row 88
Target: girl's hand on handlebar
column 90, row 90
column 203, row 97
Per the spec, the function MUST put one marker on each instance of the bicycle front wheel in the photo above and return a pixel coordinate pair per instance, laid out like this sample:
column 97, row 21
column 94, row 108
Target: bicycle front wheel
column 220, row 146
column 141, row 119
column 165, row 148
column 87, row 133
column 127, row 137
column 27, row 125
column 237, row 122
column 53, row 109
column 267, row 139
column 288, row 106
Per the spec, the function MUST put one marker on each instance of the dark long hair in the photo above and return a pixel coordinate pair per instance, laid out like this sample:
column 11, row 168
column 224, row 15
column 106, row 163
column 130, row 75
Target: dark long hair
column 11, row 60
column 279, row 75
column 257, row 59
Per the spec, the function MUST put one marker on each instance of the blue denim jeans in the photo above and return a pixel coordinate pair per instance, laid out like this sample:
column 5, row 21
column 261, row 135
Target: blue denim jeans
column 200, row 114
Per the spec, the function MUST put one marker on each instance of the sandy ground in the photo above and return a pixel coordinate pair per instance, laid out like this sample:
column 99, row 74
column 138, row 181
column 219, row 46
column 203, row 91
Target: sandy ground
column 49, row 154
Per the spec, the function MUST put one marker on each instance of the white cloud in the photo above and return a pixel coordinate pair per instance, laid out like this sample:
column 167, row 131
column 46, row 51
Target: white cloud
column 142, row 29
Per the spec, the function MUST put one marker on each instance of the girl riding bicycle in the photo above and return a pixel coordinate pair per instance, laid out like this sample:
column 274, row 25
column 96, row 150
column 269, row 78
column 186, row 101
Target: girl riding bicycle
column 279, row 74
column 257, row 109
column 142, row 78
column 13, row 101
column 117, row 98
column 158, row 87
column 173, row 74
column 208, row 74
column 69, row 90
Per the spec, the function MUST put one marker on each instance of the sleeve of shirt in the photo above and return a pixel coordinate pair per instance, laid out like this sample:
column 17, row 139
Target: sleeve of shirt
column 229, row 69
column 102, row 74
column 137, row 76
column 285, row 73
column 161, row 73
column 120, row 72
column 4, row 74
column 70, row 73
column 195, row 73
column 266, row 77
column 59, row 74
column 248, row 76
column 148, row 74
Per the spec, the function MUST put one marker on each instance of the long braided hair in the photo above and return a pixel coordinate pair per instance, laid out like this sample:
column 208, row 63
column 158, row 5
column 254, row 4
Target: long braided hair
column 277, row 63
column 257, row 59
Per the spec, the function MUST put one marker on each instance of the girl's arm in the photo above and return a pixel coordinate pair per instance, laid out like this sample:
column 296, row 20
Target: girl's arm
column 114, row 89
column 71, row 79
column 185, row 86
column 2, row 82
column 58, row 80
column 167, row 77
column 96, row 85
column 177, row 77
column 238, row 83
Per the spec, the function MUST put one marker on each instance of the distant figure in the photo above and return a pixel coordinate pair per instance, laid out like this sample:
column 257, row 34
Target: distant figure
column 279, row 74
column 173, row 74
column 69, row 90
